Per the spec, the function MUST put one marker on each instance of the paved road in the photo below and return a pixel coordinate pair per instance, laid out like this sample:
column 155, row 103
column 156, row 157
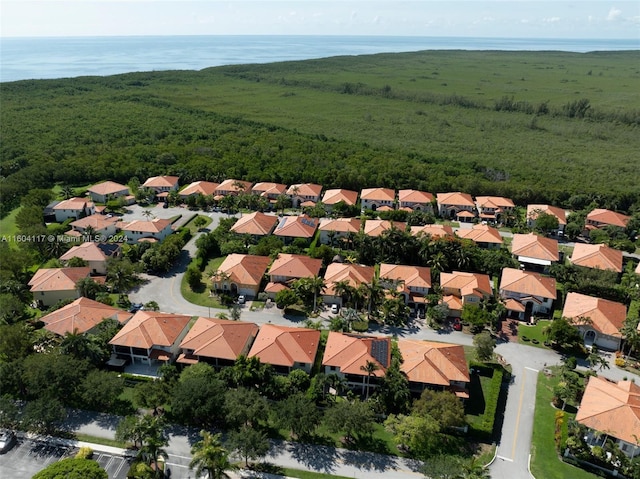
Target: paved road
column 526, row 361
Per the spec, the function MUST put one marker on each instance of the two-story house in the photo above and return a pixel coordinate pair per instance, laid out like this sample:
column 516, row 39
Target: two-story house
column 333, row 197
column 290, row 267
column 494, row 208
column 154, row 230
column 304, row 194
column 256, row 224
column 484, row 236
column 95, row 254
column 241, row 274
column 103, row 192
column 377, row 198
column 412, row 282
column 337, row 231
column 456, row 205
column 286, row 348
column 460, row 289
column 73, row 208
column 535, row 210
column 352, row 275
column 414, row 200
column 526, row 293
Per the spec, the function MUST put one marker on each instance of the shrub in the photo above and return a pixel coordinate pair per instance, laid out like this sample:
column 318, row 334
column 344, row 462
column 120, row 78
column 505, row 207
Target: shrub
column 483, row 429
column 85, row 452
column 360, row 326
column 620, row 362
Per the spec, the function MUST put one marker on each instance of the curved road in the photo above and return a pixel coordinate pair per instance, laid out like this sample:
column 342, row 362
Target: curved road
column 515, row 442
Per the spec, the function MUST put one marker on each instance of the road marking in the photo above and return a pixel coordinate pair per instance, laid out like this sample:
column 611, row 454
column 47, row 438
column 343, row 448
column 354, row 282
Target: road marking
column 181, row 457
column 531, row 369
column 515, row 433
column 504, row 458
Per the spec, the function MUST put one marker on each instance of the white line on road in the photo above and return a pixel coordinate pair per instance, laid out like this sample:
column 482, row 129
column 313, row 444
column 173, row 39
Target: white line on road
column 504, row 458
column 531, row 369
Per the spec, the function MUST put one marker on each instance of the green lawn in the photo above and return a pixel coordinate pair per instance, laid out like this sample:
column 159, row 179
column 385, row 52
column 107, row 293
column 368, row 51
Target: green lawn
column 191, row 226
column 99, row 440
column 533, row 333
column 545, row 463
column 309, row 475
column 8, row 223
column 202, row 298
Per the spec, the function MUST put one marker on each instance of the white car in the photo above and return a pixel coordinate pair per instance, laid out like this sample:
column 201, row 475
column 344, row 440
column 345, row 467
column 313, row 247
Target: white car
column 335, row 308
column 7, row 440
column 241, row 299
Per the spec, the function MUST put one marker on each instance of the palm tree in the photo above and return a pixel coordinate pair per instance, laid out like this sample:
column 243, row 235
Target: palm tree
column 343, row 289
column 209, row 456
column 370, row 367
column 317, row 286
column 148, row 214
column 151, row 451
column 373, row 293
column 473, row 469
column 80, row 346
column 67, row 192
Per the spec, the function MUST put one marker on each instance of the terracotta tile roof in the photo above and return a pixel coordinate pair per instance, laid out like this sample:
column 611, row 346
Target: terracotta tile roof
column 232, row 185
column 514, row 305
column 82, row 315
column 205, row 188
column 245, row 269
column 436, row 231
column 528, row 283
column 606, row 316
column 350, row 353
column 97, row 222
column 305, row 189
column 534, row 210
column 295, row 266
column 88, row 251
column 611, row 408
column 355, row 274
column 219, row 338
column 257, row 224
column 341, row 225
column 481, row 234
column 161, row 182
column 150, row 328
column 597, row 256
column 455, row 199
column 74, row 204
column 378, row 194
column 285, row 346
column 475, row 284
column 331, row 197
column 534, row 246
column 430, row 362
column 377, row 227
column 465, row 214
column 414, row 196
column 58, row 279
column 415, row 276
column 275, row 288
column 108, row 188
column 296, row 226
column 154, row 226
column 453, row 302
column 608, row 217
column 494, row 202
column 269, row 189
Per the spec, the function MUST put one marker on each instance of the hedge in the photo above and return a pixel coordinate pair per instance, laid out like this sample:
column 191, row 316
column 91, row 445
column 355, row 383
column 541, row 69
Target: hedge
column 483, row 429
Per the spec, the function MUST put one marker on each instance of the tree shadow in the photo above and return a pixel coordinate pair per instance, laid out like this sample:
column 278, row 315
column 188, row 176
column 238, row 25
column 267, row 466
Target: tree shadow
column 476, row 404
column 318, row 458
column 368, row 461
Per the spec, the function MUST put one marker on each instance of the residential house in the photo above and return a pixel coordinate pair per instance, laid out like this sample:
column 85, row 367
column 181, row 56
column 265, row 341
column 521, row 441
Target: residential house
column 286, row 348
column 82, row 316
column 414, row 200
column 456, row 205
column 232, row 187
column 50, row 285
column 95, row 254
column 347, row 355
column 376, row 198
column 435, row 231
column 333, row 197
column 599, row 320
column 336, row 231
column 241, row 274
column 598, row 256
column 353, row 274
column 305, row 194
column 218, row 342
column 599, row 218
column 73, row 208
column 534, row 251
column 204, row 188
column 434, row 365
column 154, row 230
column 526, row 293
column 533, row 211
column 290, row 267
column 151, row 336
column 256, row 224
column 162, row 184
column 484, row 236
column 291, row 227
column 103, row 192
column 412, row 282
column 460, row 289
column 271, row 191
column 96, row 225
column 375, row 228
column 494, row 208
column 611, row 411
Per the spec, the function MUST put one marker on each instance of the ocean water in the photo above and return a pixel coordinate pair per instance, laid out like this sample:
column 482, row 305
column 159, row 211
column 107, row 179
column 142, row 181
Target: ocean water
column 45, row 58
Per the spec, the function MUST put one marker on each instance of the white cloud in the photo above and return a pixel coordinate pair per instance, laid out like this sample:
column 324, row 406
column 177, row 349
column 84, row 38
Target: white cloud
column 614, row 13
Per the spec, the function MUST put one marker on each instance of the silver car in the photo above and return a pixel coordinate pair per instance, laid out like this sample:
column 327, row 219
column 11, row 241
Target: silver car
column 7, row 440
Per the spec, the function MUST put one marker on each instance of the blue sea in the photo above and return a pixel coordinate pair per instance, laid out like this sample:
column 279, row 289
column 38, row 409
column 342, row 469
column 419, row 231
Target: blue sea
column 45, row 58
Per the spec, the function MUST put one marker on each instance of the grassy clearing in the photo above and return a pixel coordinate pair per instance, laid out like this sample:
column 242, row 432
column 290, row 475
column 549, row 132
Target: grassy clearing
column 202, row 297
column 533, row 333
column 193, row 228
column 99, row 440
column 545, row 463
column 8, row 223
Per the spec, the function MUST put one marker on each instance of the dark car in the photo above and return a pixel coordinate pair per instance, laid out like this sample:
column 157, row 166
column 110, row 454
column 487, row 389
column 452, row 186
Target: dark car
column 7, row 440
column 136, row 307
column 457, row 325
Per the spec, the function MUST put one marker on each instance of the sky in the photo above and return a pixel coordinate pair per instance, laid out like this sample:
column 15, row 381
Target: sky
column 596, row 19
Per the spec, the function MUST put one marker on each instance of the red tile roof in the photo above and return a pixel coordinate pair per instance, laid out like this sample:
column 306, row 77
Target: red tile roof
column 341, row 225
column 455, row 199
column 219, row 338
column 108, row 188
column 534, row 246
column 74, row 204
column 154, row 226
column 414, row 196
column 88, row 251
column 494, row 202
column 245, row 269
column 355, row 274
column 534, row 210
column 269, row 189
column 257, row 224
column 205, row 188
column 528, row 283
column 295, row 266
column 598, row 256
column 161, row 182
column 237, row 186
column 378, row 194
column 475, row 284
column 81, row 316
column 97, row 222
column 611, row 408
column 296, row 227
column 351, row 352
column 331, row 197
column 58, row 279
column 606, row 316
column 412, row 276
column 150, row 328
column 481, row 234
column 608, row 217
column 377, row 227
column 305, row 189
column 285, row 346
column 436, row 231
column 430, row 362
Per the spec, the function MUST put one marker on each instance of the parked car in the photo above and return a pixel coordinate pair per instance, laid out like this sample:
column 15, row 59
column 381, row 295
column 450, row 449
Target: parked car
column 7, row 440
column 421, row 314
column 457, row 325
column 335, row 308
column 136, row 307
column 242, row 299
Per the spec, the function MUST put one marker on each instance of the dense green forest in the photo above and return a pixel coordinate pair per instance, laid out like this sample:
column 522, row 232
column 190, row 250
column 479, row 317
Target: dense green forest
column 535, row 126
